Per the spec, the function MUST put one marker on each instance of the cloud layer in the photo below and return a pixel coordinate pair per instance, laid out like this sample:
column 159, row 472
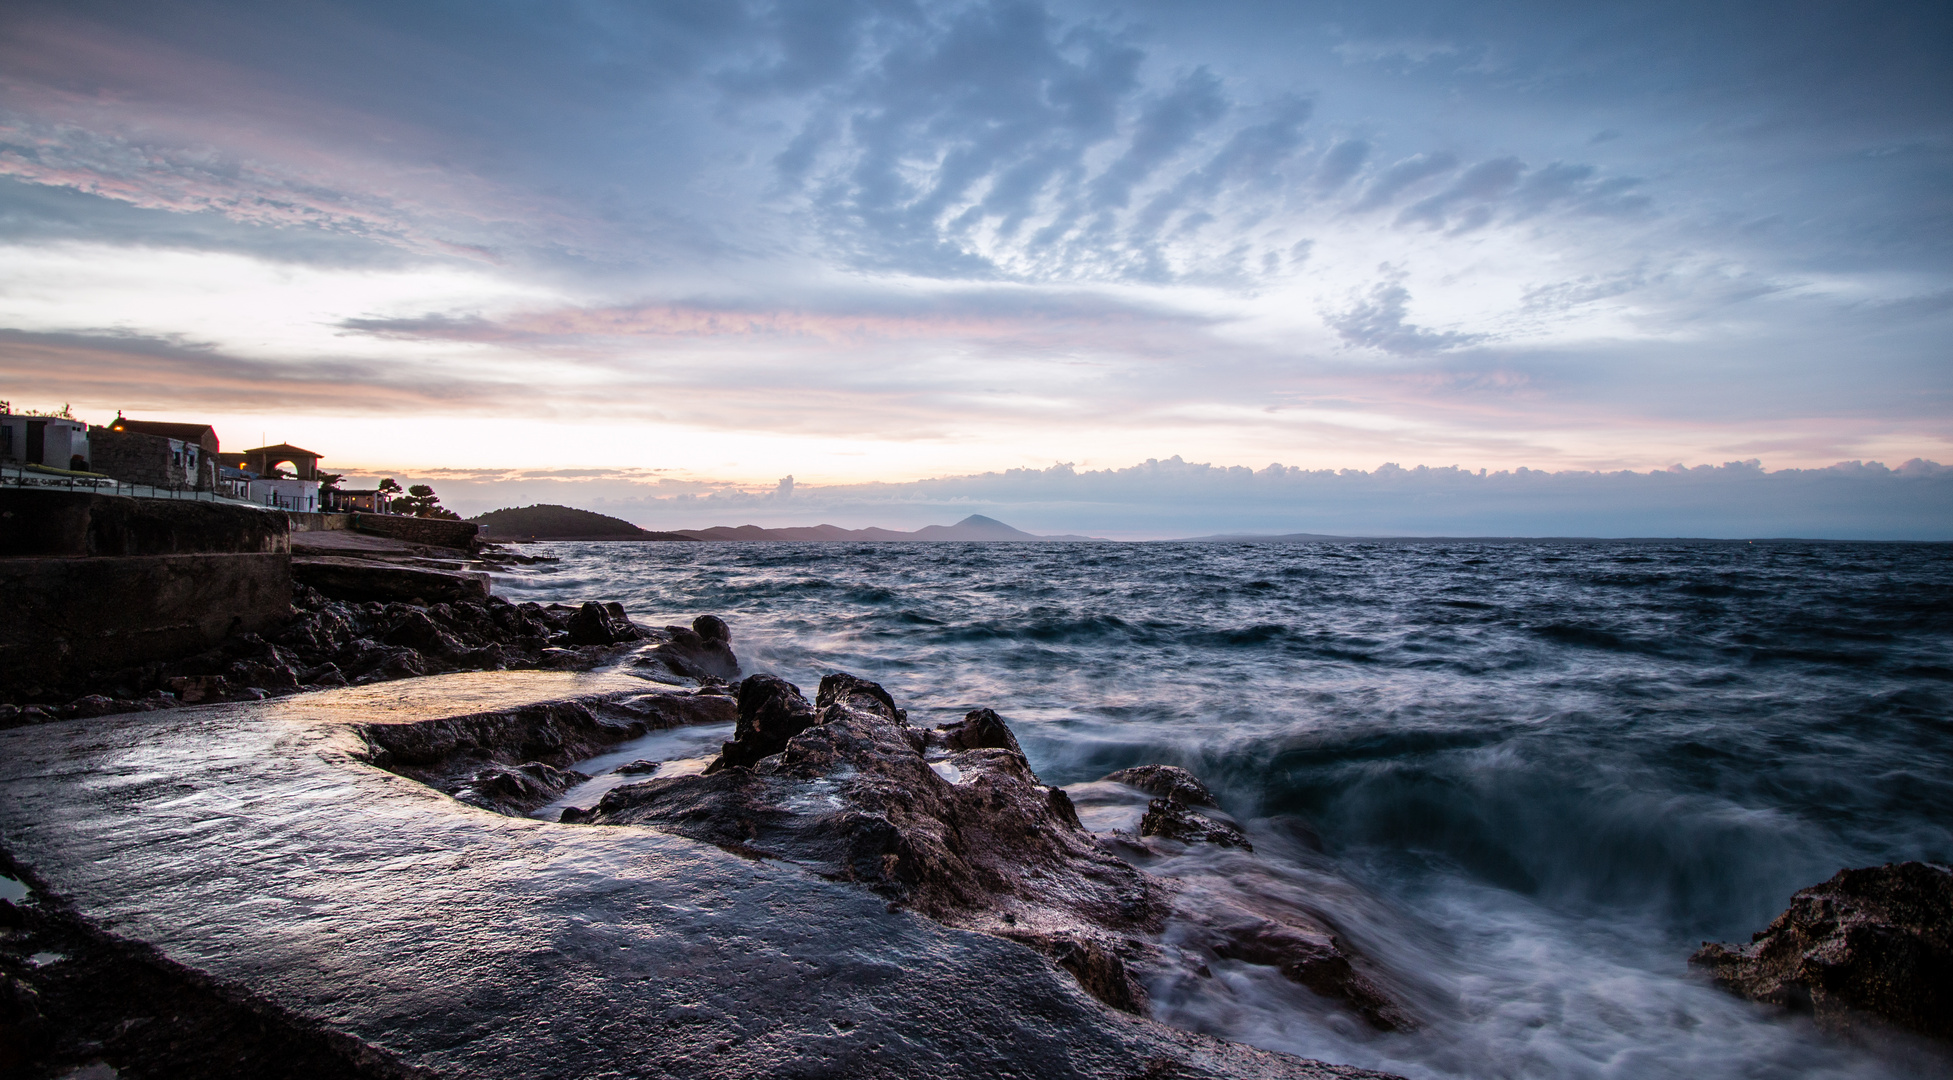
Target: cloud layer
column 856, row 240
column 1173, row 498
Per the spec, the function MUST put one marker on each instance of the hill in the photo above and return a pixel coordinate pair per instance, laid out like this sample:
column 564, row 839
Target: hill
column 546, row 521
column 974, row 527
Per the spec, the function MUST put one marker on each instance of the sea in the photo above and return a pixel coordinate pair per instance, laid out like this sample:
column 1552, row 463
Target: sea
column 1526, row 778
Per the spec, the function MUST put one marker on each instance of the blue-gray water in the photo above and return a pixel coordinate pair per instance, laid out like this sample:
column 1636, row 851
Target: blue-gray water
column 1541, row 773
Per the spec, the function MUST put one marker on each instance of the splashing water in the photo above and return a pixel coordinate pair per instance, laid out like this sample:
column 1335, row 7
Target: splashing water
column 1526, row 778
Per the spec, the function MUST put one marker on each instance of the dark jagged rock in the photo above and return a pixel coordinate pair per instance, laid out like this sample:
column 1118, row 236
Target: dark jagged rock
column 1213, row 916
column 1168, row 819
column 970, row 838
column 1308, row 955
column 404, row 934
column 516, row 789
column 1168, row 782
column 600, row 624
column 980, row 729
column 1870, row 944
column 689, row 651
column 771, row 711
column 331, row 642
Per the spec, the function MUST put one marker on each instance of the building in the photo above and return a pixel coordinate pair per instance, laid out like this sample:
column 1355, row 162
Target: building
column 55, row 442
column 301, row 496
column 265, row 460
column 359, row 500
column 266, row 486
column 135, row 456
column 203, row 435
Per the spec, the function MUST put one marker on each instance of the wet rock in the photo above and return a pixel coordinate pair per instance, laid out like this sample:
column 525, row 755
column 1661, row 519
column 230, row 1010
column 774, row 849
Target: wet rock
column 1173, row 821
column 544, row 950
column 669, row 710
column 688, row 652
column 843, row 787
column 1310, row 956
column 91, row 705
column 771, row 711
column 417, row 630
column 192, row 689
column 1098, row 968
column 600, row 624
column 323, row 676
column 516, row 789
column 269, row 677
column 1869, row 946
column 980, row 729
column 1168, row 782
column 640, row 767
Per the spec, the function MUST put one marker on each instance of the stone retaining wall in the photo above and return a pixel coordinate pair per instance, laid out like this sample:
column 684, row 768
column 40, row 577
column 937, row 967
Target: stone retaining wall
column 55, row 524
column 67, row 617
column 304, row 522
column 439, row 532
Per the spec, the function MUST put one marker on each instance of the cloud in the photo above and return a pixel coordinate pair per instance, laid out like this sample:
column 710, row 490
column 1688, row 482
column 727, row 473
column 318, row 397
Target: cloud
column 146, row 373
column 1405, row 174
column 1171, row 497
column 1379, row 321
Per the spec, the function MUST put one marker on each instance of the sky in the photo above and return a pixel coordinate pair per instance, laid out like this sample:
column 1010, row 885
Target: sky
column 931, row 257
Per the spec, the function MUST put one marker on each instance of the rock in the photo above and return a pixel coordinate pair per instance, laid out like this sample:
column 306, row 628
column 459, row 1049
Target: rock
column 324, row 676
column 91, row 705
column 9, row 915
column 979, row 729
column 1168, row 819
column 1307, row 955
column 843, row 787
column 361, row 579
column 1168, row 782
column 404, row 934
column 191, row 689
column 516, row 789
column 640, row 767
column 270, row 677
column 417, row 630
column 600, row 624
column 771, row 711
column 1870, row 944
column 690, row 653
column 711, row 628
column 669, row 710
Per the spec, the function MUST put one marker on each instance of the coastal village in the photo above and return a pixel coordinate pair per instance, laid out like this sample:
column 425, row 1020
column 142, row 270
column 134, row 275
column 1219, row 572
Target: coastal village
column 182, row 459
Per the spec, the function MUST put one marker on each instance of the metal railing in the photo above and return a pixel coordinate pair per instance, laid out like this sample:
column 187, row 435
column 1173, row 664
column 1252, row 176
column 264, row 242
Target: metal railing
column 16, row 475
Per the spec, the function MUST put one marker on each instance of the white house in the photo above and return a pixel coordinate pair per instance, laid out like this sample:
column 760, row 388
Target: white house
column 58, row 442
column 299, row 495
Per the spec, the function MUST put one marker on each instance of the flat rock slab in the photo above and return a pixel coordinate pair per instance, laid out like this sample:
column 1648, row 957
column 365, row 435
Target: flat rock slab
column 249, row 842
column 365, row 579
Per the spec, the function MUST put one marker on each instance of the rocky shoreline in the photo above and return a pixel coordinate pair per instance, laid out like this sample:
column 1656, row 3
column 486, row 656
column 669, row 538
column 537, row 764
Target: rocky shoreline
column 948, row 823
column 331, row 642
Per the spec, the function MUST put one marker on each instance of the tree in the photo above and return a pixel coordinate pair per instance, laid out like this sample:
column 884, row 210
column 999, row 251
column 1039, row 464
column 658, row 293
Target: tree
column 389, row 486
column 420, row 501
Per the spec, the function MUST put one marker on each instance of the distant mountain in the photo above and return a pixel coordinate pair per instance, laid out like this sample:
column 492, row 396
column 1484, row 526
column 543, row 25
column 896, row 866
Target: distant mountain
column 549, row 522
column 974, row 527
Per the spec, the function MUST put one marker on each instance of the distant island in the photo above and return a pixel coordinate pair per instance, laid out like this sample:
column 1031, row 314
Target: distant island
column 549, row 522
